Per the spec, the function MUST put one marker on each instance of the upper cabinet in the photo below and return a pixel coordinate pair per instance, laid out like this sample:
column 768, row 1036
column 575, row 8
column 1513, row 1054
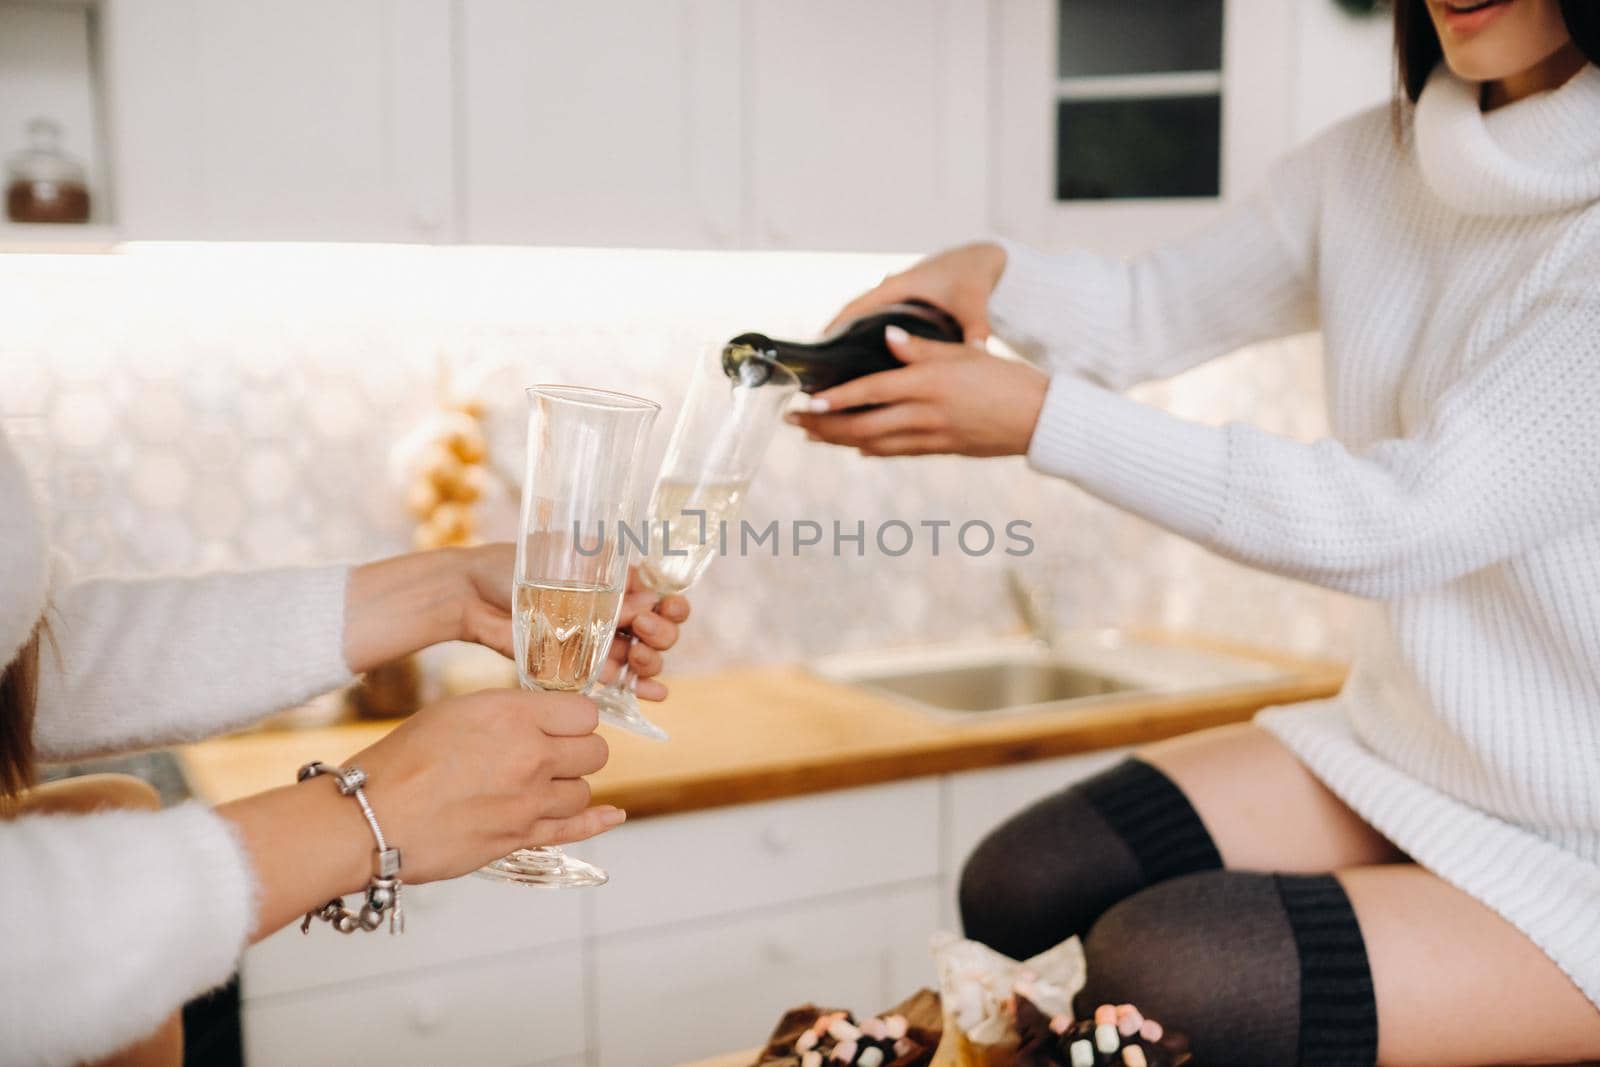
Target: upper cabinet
column 865, row 123
column 610, row 122
column 1117, row 125
column 294, row 120
column 896, row 125
column 714, row 123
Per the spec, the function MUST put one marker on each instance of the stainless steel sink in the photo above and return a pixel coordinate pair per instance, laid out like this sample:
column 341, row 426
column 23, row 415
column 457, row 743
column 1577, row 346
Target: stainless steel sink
column 1082, row 669
column 990, row 686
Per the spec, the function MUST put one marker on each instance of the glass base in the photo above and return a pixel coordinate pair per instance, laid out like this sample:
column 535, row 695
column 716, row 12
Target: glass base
column 620, row 708
column 549, row 868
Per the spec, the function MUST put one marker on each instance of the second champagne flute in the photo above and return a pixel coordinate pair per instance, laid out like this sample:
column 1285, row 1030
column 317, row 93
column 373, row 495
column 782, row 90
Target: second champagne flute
column 728, row 418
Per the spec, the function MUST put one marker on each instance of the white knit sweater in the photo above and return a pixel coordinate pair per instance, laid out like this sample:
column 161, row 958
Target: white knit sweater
column 109, row 922
column 1455, row 274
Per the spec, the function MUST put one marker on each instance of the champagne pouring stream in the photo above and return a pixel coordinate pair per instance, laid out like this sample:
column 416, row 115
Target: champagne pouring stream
column 728, row 418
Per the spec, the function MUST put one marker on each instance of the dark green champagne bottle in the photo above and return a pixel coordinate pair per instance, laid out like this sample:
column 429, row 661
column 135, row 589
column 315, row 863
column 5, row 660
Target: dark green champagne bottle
column 855, row 349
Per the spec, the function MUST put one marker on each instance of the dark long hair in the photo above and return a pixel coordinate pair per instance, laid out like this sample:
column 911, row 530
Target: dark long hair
column 1417, row 50
column 19, row 691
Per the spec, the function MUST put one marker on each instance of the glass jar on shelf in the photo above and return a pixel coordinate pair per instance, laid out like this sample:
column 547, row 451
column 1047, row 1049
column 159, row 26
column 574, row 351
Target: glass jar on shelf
column 44, row 184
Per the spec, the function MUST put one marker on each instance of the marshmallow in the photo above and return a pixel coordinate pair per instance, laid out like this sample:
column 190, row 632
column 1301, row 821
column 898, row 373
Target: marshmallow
column 1060, row 1024
column 895, row 1025
column 1081, row 1053
column 870, row 1057
column 1128, row 1023
column 1106, row 1038
column 1151, row 1031
column 811, row 1059
column 843, row 1030
column 1105, row 1015
column 806, row 1041
column 903, row 1046
column 875, row 1029
column 845, row 1051
column 1133, row 1056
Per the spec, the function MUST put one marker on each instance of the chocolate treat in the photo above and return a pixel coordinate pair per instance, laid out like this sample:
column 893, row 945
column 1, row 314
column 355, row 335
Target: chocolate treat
column 1117, row 1036
column 904, row 1036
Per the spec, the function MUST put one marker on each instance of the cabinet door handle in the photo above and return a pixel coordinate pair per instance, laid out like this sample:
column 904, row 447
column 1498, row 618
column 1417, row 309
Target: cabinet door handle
column 425, row 220
column 424, row 1013
column 779, row 950
column 777, row 840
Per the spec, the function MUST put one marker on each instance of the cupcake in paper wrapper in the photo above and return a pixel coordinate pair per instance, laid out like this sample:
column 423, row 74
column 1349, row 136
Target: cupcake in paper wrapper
column 981, row 990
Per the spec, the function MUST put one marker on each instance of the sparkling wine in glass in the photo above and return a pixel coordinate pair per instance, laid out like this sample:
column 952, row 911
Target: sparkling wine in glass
column 585, row 454
column 728, row 418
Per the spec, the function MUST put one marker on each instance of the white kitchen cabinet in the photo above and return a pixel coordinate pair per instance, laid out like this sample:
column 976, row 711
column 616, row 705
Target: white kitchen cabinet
column 698, row 989
column 712, row 863
column 867, row 123
column 901, row 125
column 713, row 923
column 830, row 124
column 1252, row 82
column 514, row 1009
column 296, row 120
column 448, row 923
column 612, row 122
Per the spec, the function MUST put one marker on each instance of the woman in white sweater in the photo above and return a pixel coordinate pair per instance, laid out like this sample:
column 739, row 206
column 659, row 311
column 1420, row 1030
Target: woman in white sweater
column 110, row 921
column 1433, row 833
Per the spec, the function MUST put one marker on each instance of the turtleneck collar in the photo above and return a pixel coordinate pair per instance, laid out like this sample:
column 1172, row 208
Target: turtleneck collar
column 1537, row 155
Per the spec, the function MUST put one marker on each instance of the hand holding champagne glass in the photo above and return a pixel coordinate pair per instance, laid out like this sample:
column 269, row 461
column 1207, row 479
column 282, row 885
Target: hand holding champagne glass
column 716, row 447
column 585, row 454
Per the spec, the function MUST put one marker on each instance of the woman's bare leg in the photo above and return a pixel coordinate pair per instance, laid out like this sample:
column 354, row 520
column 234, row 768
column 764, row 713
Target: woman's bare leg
column 1456, row 984
column 1263, row 809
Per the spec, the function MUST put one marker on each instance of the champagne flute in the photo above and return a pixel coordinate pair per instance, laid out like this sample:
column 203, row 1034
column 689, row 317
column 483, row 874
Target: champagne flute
column 585, row 452
column 728, row 418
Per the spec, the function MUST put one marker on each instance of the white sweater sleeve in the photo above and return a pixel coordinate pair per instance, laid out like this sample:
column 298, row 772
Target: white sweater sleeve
column 110, row 922
column 134, row 663
column 1248, row 276
column 1509, row 459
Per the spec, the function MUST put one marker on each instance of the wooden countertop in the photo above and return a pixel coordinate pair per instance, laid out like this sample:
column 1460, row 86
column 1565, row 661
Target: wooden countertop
column 762, row 733
column 732, row 1059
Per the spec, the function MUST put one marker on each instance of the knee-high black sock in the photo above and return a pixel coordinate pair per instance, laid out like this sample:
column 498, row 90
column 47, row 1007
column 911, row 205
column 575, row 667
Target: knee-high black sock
column 1050, row 871
column 1260, row 970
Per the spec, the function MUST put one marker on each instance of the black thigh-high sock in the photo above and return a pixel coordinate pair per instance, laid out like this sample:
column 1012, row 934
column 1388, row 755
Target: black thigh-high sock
column 1050, row 871
column 1260, row 970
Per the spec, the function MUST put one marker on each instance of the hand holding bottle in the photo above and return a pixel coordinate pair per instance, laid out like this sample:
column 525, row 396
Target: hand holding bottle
column 958, row 280
column 949, row 398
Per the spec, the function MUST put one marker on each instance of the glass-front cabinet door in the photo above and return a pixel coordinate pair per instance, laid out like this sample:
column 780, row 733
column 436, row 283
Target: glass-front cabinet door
column 1120, row 123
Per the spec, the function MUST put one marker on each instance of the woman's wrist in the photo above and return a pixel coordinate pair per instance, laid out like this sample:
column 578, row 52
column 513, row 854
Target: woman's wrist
column 305, row 844
column 395, row 607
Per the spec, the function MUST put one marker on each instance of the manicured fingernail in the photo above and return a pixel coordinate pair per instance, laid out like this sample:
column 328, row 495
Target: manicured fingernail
column 613, row 817
column 895, row 335
column 817, row 405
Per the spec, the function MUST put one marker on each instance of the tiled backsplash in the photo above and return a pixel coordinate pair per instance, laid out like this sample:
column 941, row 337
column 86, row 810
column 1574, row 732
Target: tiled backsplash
column 191, row 407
